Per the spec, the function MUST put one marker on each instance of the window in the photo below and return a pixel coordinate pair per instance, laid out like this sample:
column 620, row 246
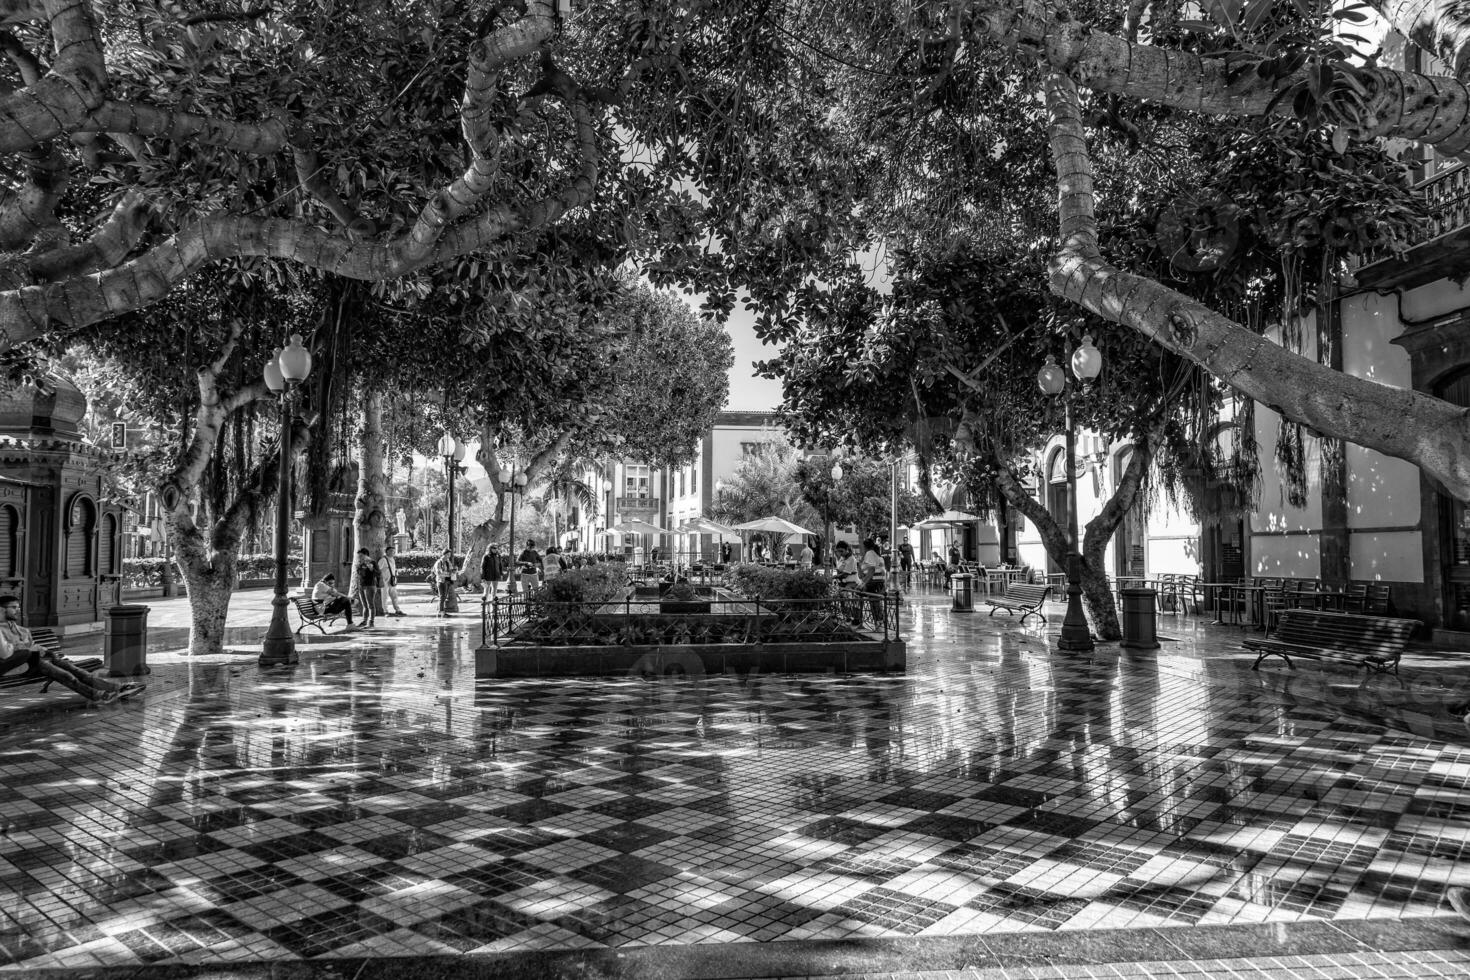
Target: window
column 754, row 448
column 637, row 481
column 694, row 477
column 9, row 523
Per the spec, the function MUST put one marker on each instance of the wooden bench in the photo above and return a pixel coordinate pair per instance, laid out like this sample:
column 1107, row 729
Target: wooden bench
column 46, row 639
column 306, row 609
column 1021, row 598
column 1377, row 642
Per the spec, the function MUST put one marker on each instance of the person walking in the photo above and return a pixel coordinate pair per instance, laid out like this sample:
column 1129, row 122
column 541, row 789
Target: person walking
column 18, row 649
column 874, row 575
column 388, row 581
column 845, row 572
column 444, row 575
column 365, row 574
column 491, row 569
column 328, row 601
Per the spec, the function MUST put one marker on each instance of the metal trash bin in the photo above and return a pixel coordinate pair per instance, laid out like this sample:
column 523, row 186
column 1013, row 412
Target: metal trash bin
column 1140, row 619
column 962, row 589
column 125, row 644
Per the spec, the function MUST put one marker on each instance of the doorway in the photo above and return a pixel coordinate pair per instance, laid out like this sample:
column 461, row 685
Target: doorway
column 1129, row 541
column 1058, row 496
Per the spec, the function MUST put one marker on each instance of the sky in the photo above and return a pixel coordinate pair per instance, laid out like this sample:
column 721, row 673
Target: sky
column 749, row 393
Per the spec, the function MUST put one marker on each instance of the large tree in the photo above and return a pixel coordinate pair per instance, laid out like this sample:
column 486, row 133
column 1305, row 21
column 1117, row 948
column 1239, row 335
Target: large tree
column 648, row 388
column 372, row 140
column 936, row 118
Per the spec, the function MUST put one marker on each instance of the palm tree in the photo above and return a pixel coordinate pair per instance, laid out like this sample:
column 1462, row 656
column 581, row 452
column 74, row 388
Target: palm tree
column 563, row 485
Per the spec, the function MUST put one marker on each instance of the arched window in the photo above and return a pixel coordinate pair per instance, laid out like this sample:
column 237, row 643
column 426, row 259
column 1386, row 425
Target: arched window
column 1057, row 497
column 81, row 524
column 9, row 540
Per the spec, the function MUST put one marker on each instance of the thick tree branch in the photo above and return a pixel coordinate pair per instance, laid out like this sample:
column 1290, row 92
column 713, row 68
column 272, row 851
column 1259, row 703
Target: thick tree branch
column 127, row 118
column 1099, row 530
column 108, row 246
column 21, row 11
column 29, row 211
column 313, row 180
column 1427, row 109
column 1361, row 411
column 1441, row 27
column 71, row 90
column 28, row 65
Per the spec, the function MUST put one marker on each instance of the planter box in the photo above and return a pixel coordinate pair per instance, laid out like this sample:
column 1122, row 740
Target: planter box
column 676, row 607
column 858, row 656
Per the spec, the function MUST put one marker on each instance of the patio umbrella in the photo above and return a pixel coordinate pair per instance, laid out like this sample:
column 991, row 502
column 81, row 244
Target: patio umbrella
column 948, row 518
column 772, row 525
column 703, row 525
column 635, row 526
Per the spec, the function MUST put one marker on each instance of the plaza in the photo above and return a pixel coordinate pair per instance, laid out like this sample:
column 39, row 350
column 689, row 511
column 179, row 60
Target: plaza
column 867, row 489
column 1002, row 809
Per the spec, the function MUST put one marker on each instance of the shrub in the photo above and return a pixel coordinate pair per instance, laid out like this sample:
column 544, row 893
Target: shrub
column 680, row 592
column 593, row 584
column 776, row 583
column 420, row 562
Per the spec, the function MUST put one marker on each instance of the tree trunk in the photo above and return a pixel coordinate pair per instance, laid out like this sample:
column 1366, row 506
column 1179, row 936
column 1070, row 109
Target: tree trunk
column 211, row 579
column 1441, row 27
column 372, row 488
column 477, row 542
column 1096, row 590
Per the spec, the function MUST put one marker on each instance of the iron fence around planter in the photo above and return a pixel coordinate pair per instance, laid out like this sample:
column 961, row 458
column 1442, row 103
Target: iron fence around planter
column 641, row 618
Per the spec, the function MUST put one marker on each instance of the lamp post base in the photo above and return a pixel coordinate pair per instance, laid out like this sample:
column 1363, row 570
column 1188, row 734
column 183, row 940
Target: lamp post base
column 1076, row 636
column 279, row 646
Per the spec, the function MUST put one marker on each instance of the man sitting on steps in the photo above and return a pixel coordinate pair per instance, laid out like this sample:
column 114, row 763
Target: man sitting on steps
column 18, row 649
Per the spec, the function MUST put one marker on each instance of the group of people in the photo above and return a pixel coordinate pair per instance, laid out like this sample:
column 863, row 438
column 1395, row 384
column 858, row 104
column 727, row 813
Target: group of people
column 374, row 584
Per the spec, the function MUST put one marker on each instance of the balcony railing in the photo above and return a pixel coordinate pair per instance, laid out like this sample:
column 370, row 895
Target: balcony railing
column 637, row 503
column 1446, row 194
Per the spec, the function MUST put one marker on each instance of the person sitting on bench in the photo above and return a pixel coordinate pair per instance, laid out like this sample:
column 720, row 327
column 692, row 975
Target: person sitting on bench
column 17, row 649
column 329, row 602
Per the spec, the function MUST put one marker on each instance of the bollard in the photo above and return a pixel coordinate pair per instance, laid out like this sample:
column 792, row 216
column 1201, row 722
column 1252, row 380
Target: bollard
column 962, row 588
column 1140, row 619
column 125, row 644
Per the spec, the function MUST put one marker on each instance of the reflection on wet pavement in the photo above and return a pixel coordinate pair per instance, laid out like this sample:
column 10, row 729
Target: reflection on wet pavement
column 377, row 800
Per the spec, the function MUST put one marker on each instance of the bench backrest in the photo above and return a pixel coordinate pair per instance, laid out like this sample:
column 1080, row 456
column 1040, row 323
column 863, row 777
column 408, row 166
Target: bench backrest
column 304, row 605
column 1021, row 593
column 45, row 637
column 1343, row 631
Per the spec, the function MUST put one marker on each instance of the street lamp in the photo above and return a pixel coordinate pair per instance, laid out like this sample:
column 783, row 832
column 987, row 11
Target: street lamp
column 283, row 373
column 453, row 451
column 830, row 558
column 1086, row 363
column 516, row 482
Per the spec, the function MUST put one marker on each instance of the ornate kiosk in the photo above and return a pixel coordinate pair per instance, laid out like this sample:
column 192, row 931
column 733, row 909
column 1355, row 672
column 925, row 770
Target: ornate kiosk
column 60, row 543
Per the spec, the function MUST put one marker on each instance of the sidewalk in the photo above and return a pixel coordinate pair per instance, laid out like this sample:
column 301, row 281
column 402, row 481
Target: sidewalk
column 1000, row 808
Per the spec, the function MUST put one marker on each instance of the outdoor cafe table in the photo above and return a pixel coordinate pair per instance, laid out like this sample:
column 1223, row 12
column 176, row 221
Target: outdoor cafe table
column 1222, row 593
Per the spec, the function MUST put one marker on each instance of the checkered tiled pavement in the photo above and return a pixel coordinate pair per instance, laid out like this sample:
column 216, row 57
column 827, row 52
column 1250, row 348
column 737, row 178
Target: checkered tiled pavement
column 378, row 801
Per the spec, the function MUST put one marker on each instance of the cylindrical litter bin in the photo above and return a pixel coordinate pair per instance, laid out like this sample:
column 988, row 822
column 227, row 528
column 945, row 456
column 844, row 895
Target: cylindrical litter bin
column 1140, row 619
column 962, row 589
column 125, row 644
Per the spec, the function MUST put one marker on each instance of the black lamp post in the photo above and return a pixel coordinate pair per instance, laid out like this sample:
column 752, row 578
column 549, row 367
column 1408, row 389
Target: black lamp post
column 1086, row 363
column 283, row 373
column 453, row 451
